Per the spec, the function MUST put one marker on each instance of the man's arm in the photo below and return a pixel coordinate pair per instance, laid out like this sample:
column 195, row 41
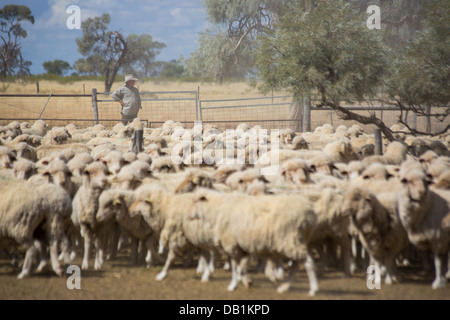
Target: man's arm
column 118, row 95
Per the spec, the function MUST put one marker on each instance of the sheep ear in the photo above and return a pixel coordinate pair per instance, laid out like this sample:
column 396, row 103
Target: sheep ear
column 148, row 200
column 312, row 168
column 404, row 181
column 196, row 180
column 388, row 176
column 117, row 201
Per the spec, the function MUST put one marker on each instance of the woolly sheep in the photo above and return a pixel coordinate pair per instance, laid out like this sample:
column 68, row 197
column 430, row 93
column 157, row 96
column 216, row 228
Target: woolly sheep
column 85, row 206
column 422, row 210
column 114, row 205
column 277, row 226
column 77, row 164
column 114, row 161
column 33, row 216
column 38, row 128
column 156, row 206
column 24, row 169
column 331, row 225
column 7, row 157
column 378, row 224
column 395, row 154
column 45, row 150
column 57, row 135
column 239, row 181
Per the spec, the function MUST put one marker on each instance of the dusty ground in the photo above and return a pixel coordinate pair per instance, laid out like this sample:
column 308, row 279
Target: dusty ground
column 121, row 281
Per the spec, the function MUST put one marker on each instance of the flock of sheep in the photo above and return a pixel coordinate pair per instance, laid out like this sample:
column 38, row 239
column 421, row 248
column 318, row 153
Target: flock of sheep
column 320, row 198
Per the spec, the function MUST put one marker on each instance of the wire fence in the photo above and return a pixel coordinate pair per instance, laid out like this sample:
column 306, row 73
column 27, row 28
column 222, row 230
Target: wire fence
column 184, row 106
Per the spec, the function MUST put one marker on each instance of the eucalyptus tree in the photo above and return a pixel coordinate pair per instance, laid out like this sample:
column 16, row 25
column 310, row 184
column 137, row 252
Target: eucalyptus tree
column 11, row 32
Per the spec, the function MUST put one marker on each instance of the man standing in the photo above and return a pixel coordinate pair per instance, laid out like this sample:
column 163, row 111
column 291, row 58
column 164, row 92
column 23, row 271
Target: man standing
column 129, row 99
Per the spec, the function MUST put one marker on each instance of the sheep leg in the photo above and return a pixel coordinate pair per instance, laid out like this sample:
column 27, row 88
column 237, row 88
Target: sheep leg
column 439, row 265
column 234, row 275
column 54, row 258
column 134, row 250
column 87, row 248
column 99, row 251
column 28, row 262
column 205, row 256
column 113, row 242
column 65, row 251
column 269, row 270
column 447, row 275
column 287, row 284
column 389, row 263
column 170, row 257
column 212, row 260
column 243, row 271
column 151, row 252
column 41, row 249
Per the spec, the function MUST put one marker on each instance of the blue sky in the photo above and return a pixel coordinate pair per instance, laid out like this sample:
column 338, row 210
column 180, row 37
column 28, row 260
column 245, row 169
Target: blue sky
column 173, row 22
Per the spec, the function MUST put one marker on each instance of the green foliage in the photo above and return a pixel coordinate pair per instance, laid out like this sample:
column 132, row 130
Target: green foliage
column 58, row 67
column 172, row 69
column 141, row 53
column 423, row 73
column 11, row 31
column 324, row 47
column 227, row 49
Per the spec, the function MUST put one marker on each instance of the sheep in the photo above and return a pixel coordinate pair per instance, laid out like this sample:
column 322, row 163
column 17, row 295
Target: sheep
column 376, row 219
column 7, row 157
column 85, row 206
column 38, row 128
column 57, row 135
column 223, row 171
column 77, row 164
column 45, row 150
column 114, row 161
column 422, row 210
column 296, row 172
column 114, row 204
column 156, row 205
column 395, row 154
column 23, row 150
column 100, row 151
column 24, row 169
column 332, row 226
column 274, row 226
column 33, row 216
column 194, row 179
column 165, row 165
column 239, row 181
column 32, row 140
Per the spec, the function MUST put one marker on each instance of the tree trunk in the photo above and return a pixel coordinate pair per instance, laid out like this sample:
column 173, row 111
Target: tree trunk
column 306, row 125
column 296, row 113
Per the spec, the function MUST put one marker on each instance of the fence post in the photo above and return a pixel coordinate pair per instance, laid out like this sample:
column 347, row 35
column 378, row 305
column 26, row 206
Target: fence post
column 37, row 87
column 94, row 105
column 378, row 142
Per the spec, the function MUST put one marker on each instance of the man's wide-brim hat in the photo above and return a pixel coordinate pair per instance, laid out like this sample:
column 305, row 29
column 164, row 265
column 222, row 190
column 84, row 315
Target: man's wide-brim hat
column 130, row 77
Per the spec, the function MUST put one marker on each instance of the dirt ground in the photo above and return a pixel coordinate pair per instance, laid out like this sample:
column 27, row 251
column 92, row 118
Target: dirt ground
column 119, row 280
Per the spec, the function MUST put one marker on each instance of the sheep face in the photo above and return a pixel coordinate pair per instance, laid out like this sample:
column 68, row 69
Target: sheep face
column 192, row 183
column 111, row 205
column 95, row 175
column 415, row 185
column 6, row 160
column 359, row 205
